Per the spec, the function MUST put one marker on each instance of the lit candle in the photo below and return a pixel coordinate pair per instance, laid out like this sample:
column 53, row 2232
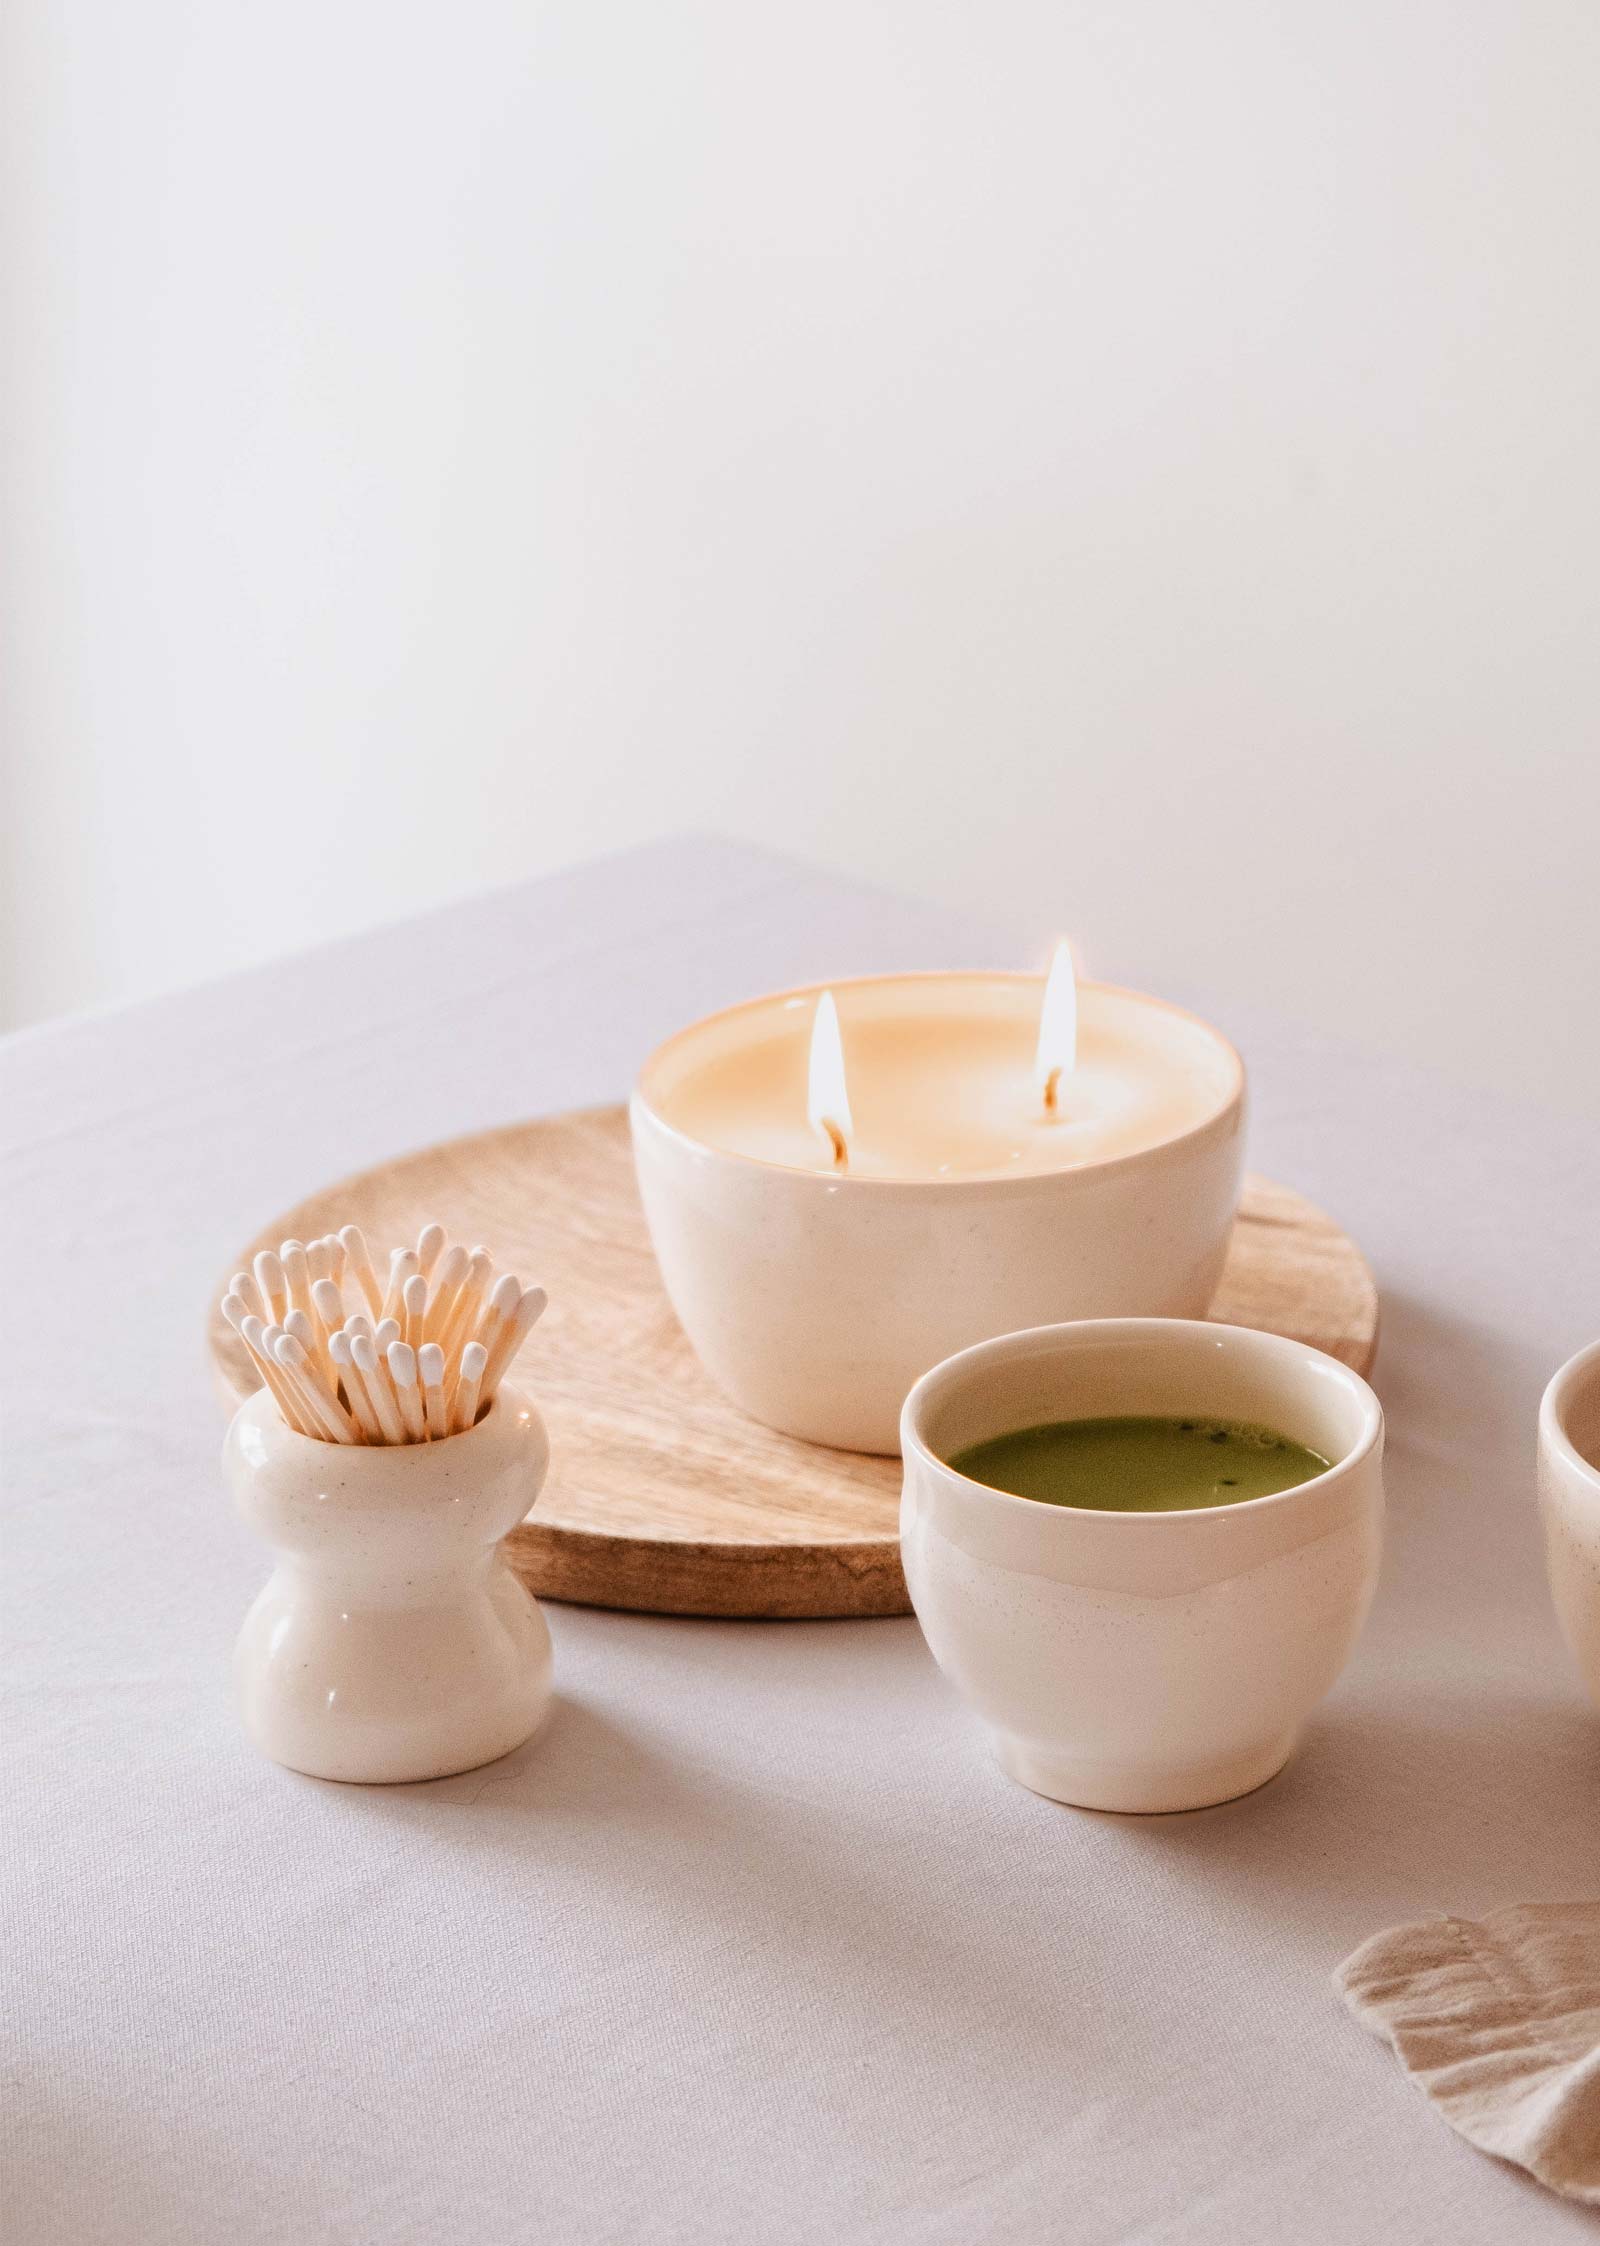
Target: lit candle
column 841, row 1182
column 943, row 1076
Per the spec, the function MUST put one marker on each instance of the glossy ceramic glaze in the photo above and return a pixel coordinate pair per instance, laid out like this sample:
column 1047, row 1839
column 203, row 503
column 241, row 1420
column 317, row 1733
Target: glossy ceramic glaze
column 391, row 1641
column 1142, row 1661
column 815, row 1297
column 1569, row 1501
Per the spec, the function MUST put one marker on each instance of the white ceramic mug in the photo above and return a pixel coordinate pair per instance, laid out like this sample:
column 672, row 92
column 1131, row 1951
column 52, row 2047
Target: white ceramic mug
column 1569, row 1500
column 391, row 1641
column 1142, row 1661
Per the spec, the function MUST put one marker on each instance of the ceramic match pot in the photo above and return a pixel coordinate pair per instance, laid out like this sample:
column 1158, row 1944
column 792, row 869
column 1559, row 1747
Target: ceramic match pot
column 1142, row 1661
column 391, row 1641
column 1569, row 1500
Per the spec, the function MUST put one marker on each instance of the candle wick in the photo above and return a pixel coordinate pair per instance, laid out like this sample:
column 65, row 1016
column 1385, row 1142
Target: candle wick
column 1052, row 1092
column 841, row 1152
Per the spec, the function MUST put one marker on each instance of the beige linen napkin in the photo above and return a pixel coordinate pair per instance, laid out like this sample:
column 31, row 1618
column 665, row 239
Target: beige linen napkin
column 1498, row 2022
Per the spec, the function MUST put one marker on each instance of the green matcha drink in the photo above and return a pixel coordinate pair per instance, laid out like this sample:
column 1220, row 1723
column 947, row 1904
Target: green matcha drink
column 1141, row 1465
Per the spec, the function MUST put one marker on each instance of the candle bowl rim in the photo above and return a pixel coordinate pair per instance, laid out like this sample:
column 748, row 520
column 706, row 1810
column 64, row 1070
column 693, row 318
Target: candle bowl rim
column 1369, row 1442
column 1218, row 1118
column 1554, row 1406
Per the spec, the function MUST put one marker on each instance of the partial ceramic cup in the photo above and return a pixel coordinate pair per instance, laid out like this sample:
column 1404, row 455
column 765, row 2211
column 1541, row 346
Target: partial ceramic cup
column 1569, row 1500
column 1142, row 1661
column 392, row 1641
column 815, row 1298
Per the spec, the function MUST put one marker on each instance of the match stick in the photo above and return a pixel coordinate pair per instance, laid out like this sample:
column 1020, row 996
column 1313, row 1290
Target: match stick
column 445, row 1292
column 295, row 1359
column 429, row 1242
column 297, row 1273
column 511, row 1338
column 355, row 1388
column 468, row 1305
column 414, row 1309
column 365, row 1353
column 403, row 1371
column 270, row 1281
column 473, row 1359
column 328, row 1304
column 502, row 1309
column 358, row 1262
column 402, row 1266
column 430, row 1370
column 248, row 1326
column 262, row 1340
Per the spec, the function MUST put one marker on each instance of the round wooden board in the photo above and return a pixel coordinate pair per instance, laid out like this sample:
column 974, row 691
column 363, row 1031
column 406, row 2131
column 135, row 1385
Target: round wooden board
column 662, row 1496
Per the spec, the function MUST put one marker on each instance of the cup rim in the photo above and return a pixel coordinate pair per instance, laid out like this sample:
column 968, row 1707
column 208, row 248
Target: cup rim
column 1361, row 1392
column 1554, row 1405
column 835, row 1181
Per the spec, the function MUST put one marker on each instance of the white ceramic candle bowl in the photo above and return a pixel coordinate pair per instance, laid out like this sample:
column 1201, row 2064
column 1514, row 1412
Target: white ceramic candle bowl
column 1142, row 1661
column 392, row 1641
column 816, row 1297
column 1569, row 1499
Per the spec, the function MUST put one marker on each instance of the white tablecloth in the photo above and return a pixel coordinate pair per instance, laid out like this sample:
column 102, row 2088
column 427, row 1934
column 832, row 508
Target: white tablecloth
column 754, row 1943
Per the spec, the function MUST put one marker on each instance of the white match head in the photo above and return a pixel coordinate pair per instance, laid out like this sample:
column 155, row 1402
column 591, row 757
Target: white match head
column 235, row 1310
column 415, row 1295
column 429, row 1241
column 335, row 1250
column 385, row 1331
column 473, row 1359
column 533, row 1306
column 292, row 1255
column 354, row 1243
column 329, row 1302
column 365, row 1352
column 268, row 1274
column 241, row 1284
column 403, row 1364
column 452, row 1268
column 254, row 1332
column 339, row 1347
column 430, row 1364
column 479, row 1265
column 507, row 1294
column 298, row 1325
column 402, row 1262
column 290, row 1350
column 319, row 1258
column 358, row 1323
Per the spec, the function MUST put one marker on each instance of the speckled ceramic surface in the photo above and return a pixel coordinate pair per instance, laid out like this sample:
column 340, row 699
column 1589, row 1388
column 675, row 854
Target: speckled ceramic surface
column 1569, row 1500
column 391, row 1641
column 1142, row 1661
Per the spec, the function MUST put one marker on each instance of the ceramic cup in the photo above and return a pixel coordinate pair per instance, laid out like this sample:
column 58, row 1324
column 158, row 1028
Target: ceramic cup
column 1569, row 1500
column 391, row 1641
column 1142, row 1661
column 814, row 1298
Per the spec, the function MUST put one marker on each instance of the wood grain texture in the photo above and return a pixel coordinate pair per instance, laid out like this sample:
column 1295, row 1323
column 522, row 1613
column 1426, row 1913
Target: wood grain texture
column 662, row 1496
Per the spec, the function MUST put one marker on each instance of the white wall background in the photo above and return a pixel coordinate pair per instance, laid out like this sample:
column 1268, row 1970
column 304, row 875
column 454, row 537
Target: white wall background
column 1132, row 463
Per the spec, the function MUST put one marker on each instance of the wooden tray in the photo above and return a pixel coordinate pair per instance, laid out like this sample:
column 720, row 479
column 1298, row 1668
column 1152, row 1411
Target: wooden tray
column 662, row 1496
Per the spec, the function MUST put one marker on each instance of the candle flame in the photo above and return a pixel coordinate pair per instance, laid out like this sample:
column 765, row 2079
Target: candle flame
column 828, row 1098
column 1058, row 1028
